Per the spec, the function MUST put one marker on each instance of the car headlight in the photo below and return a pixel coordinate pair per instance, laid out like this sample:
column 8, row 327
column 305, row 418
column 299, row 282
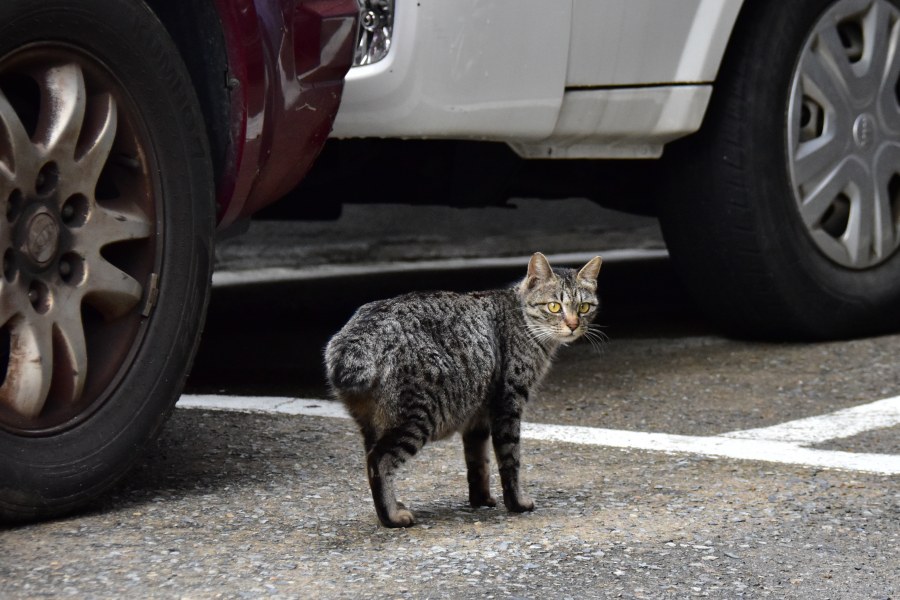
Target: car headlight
column 376, row 25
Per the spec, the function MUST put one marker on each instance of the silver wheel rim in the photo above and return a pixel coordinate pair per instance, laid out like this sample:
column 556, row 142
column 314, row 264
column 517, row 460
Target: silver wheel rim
column 77, row 238
column 844, row 133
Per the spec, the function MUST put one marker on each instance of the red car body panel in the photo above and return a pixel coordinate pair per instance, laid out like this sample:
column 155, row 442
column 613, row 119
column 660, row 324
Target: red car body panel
column 287, row 61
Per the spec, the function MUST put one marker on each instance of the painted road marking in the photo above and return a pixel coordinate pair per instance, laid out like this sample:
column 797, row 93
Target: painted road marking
column 782, row 443
column 278, row 274
column 840, row 424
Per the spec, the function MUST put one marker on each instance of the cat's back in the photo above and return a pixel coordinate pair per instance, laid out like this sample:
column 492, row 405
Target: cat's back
column 423, row 312
column 411, row 330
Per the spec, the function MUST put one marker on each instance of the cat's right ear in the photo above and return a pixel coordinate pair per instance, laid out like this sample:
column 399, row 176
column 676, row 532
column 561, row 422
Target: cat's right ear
column 538, row 270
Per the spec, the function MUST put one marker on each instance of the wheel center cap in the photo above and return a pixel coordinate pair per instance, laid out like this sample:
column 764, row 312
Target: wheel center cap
column 42, row 238
column 864, row 131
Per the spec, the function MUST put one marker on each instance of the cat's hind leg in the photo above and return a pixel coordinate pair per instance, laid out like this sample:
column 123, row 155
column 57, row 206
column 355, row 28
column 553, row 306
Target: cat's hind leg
column 392, row 449
column 476, row 442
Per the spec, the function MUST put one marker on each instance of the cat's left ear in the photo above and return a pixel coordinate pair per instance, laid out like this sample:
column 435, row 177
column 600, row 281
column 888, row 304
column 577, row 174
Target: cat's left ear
column 591, row 270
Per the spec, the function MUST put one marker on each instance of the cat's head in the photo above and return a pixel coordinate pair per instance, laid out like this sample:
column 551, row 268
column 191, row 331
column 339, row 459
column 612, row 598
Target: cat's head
column 559, row 304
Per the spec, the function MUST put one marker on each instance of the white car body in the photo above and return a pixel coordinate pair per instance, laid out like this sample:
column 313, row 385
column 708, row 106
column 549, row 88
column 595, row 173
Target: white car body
column 552, row 78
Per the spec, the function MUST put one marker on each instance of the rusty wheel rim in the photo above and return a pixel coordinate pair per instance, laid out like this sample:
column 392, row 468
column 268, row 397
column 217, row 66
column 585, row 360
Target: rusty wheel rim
column 78, row 236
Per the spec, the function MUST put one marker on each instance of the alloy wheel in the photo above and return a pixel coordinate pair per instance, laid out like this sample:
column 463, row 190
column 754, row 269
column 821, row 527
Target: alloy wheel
column 78, row 236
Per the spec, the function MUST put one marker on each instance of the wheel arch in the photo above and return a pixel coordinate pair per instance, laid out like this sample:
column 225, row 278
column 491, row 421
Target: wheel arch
column 269, row 76
column 744, row 22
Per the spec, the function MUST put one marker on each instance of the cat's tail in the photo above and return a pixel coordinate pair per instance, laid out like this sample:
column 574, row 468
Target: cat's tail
column 349, row 367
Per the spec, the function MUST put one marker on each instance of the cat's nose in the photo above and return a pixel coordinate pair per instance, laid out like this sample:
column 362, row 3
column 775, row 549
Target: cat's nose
column 572, row 324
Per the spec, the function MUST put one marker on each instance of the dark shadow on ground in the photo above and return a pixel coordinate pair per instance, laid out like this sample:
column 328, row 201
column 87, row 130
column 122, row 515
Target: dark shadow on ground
column 267, row 339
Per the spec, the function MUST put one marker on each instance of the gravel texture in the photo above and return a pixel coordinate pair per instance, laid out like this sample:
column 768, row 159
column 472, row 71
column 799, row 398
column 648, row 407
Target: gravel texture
column 247, row 506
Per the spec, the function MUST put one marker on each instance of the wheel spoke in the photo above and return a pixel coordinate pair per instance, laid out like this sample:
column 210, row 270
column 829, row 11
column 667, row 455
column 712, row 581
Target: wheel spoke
column 882, row 225
column 887, row 173
column 5, row 228
column 887, row 89
column 875, row 33
column 96, row 143
column 817, row 202
column 16, row 151
column 12, row 302
column 30, row 369
column 110, row 290
column 107, row 226
column 6, row 173
column 859, row 237
column 70, row 374
column 63, row 100
column 818, row 157
column 838, row 78
column 821, row 83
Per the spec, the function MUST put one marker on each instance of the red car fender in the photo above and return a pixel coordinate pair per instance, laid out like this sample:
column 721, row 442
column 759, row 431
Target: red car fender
column 287, row 61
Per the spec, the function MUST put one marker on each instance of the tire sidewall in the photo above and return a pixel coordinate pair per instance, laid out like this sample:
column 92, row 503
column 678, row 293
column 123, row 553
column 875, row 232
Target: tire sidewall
column 52, row 474
column 774, row 281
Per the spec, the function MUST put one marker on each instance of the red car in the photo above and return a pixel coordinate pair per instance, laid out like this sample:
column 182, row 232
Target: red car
column 129, row 132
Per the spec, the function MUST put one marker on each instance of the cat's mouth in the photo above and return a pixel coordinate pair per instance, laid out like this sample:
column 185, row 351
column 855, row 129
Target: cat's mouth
column 560, row 335
column 566, row 335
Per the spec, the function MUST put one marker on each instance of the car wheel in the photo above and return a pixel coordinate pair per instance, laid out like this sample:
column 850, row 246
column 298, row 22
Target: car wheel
column 786, row 218
column 105, row 237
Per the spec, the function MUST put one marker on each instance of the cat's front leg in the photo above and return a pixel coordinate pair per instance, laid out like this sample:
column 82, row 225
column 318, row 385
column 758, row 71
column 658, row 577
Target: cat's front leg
column 475, row 445
column 506, row 422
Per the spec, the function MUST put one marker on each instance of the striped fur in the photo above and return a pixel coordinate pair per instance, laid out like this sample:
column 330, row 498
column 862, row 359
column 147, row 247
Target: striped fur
column 423, row 366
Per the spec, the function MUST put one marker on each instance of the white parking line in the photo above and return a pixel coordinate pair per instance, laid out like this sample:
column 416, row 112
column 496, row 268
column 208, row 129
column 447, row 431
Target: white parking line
column 277, row 274
column 841, row 424
column 782, row 443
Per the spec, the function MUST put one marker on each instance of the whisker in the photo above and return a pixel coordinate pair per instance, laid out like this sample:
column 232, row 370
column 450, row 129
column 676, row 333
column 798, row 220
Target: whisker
column 598, row 330
column 596, row 338
column 536, row 333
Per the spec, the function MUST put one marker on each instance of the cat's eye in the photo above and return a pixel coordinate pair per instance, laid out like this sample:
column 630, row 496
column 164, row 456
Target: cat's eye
column 554, row 307
column 584, row 308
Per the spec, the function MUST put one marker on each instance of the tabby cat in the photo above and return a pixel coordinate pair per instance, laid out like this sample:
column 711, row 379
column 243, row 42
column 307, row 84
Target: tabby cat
column 422, row 366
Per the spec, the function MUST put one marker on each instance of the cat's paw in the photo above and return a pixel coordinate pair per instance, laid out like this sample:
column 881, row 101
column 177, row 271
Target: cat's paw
column 399, row 518
column 476, row 500
column 518, row 504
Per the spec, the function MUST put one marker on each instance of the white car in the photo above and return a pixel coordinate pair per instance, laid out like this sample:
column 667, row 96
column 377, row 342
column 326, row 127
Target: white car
column 778, row 124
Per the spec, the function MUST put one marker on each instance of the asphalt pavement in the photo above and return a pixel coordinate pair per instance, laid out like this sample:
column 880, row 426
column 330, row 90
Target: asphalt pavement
column 626, row 455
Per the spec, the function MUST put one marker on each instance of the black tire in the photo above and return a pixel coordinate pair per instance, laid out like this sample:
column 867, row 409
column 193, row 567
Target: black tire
column 733, row 225
column 138, row 351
